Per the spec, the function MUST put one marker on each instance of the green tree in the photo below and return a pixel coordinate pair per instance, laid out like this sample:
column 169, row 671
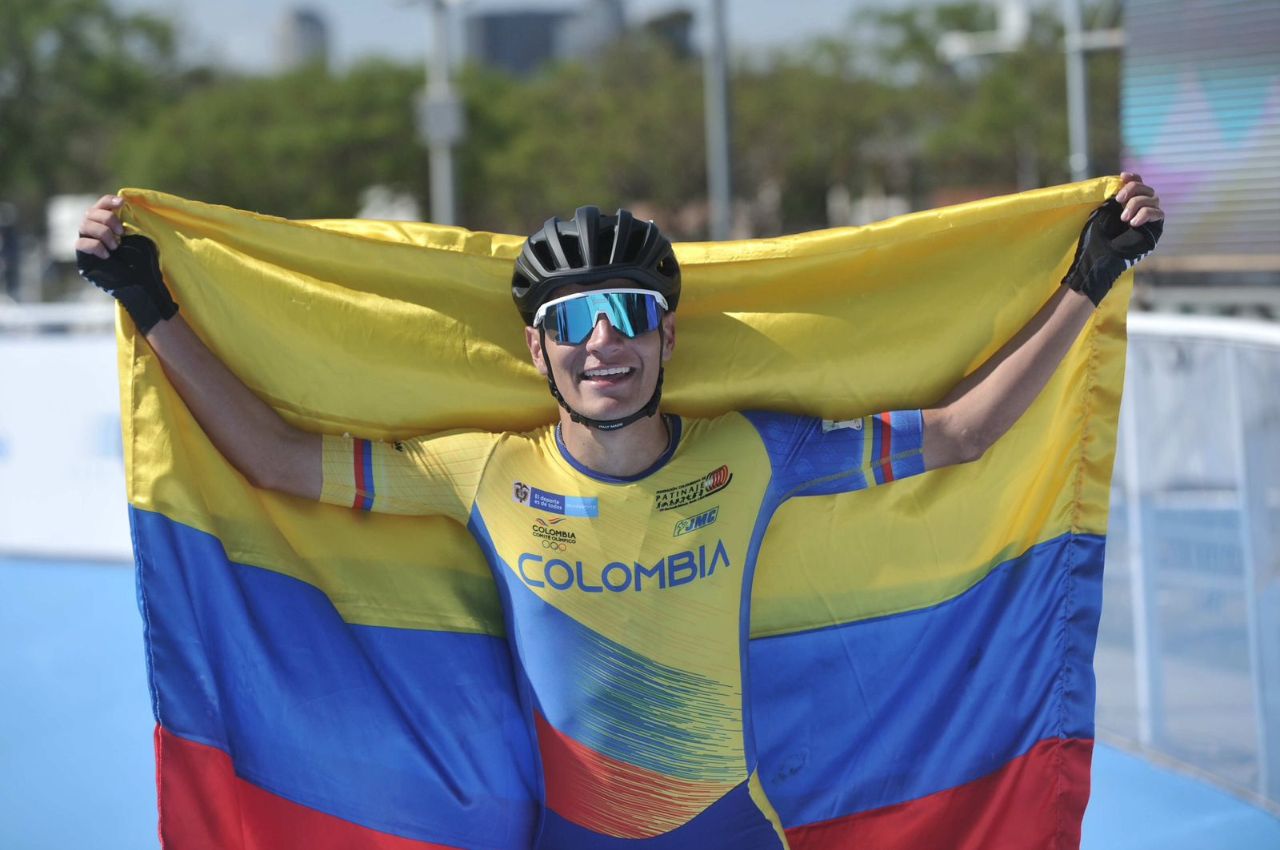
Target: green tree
column 74, row 75
column 872, row 108
column 997, row 120
column 303, row 144
column 804, row 123
column 626, row 129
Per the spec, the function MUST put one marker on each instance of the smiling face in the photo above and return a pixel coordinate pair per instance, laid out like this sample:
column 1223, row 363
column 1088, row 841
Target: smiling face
column 610, row 375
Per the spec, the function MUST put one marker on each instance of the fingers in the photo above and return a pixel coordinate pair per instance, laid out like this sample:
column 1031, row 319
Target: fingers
column 1141, row 209
column 1132, row 187
column 101, row 228
column 97, row 238
column 1141, row 203
column 1148, row 210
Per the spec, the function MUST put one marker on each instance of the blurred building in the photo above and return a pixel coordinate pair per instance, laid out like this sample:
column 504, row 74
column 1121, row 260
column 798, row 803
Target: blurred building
column 1200, row 110
column 516, row 42
column 595, row 26
column 303, row 39
column 675, row 29
column 521, row 42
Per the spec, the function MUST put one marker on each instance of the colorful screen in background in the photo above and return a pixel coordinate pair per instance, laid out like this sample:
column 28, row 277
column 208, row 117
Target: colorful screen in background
column 1200, row 110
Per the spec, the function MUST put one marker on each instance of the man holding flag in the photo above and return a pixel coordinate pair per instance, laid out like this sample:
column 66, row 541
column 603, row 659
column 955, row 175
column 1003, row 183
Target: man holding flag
column 623, row 539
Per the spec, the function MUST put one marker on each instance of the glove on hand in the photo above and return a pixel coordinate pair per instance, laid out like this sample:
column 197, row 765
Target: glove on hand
column 131, row 275
column 1108, row 247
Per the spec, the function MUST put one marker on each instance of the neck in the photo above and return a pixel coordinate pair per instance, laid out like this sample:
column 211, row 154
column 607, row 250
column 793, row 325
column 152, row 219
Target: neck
column 622, row 453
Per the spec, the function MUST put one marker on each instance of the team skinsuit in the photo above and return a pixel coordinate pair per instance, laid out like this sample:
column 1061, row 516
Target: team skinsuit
column 627, row 599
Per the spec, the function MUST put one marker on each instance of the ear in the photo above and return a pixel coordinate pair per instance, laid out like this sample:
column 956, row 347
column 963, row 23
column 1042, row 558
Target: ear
column 668, row 335
column 532, row 339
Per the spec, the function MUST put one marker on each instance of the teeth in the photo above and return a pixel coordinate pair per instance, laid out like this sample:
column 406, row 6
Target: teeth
column 600, row 373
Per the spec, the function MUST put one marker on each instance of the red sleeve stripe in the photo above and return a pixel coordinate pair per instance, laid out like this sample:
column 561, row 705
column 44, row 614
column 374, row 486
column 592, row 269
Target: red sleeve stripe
column 886, row 446
column 363, row 456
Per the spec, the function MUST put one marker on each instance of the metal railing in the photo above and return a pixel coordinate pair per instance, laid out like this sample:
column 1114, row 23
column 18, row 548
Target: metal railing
column 1188, row 656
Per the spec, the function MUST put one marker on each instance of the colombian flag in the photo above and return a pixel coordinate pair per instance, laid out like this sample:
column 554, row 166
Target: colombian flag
column 920, row 655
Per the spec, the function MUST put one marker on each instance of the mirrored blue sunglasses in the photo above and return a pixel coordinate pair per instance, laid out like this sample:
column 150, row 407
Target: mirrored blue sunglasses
column 631, row 312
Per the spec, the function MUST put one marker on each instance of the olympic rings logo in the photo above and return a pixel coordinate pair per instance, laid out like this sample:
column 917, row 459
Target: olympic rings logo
column 554, row 546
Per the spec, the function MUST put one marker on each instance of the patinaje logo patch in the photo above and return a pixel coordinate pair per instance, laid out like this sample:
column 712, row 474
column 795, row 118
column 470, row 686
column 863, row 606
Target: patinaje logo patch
column 687, row 494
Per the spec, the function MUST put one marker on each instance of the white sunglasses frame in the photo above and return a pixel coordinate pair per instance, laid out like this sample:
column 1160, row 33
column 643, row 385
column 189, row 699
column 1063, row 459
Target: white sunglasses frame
column 540, row 316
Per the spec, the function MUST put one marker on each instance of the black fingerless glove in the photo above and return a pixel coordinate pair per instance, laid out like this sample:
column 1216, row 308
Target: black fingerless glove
column 1108, row 247
column 131, row 275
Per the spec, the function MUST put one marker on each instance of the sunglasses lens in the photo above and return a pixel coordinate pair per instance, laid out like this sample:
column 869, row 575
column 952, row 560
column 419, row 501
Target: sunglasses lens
column 630, row 313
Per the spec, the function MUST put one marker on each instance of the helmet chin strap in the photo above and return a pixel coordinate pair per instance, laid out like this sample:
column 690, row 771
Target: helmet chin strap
column 601, row 424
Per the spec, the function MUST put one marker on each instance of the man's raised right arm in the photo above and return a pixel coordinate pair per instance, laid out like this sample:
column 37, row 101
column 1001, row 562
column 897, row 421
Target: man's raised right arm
column 269, row 452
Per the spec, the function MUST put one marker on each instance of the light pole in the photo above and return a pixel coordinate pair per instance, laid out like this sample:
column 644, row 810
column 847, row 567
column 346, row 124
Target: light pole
column 1077, row 91
column 716, row 88
column 440, row 118
column 1076, row 43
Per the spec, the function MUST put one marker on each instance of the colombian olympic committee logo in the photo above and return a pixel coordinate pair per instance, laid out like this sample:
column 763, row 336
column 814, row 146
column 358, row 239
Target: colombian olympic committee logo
column 555, row 539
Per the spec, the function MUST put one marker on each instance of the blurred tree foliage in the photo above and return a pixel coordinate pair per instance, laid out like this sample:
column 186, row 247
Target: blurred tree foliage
column 629, row 129
column 89, row 99
column 301, row 145
column 74, row 76
column 998, row 120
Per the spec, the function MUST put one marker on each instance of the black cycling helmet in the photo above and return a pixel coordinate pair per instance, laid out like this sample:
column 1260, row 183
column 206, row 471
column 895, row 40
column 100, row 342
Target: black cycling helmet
column 593, row 248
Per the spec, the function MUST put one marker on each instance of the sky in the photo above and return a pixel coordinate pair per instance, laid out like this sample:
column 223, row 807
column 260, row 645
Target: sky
column 242, row 33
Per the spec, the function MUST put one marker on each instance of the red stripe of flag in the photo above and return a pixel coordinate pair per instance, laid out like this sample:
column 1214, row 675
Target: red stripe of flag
column 1037, row 800
column 203, row 804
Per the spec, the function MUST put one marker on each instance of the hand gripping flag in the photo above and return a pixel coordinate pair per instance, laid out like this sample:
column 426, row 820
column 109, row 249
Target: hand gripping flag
column 920, row 656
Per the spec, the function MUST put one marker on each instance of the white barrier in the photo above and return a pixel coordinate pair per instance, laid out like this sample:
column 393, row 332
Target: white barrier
column 61, row 463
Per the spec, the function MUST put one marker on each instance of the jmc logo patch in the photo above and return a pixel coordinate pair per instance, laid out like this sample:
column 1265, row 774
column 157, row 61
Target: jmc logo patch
column 687, row 494
column 694, row 523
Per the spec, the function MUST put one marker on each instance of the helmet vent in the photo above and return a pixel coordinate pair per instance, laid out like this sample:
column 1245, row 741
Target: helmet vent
column 604, row 245
column 572, row 252
column 542, row 251
column 635, row 244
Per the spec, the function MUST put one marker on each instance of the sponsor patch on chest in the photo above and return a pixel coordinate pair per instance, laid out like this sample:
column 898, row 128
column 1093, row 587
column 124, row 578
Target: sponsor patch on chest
column 700, row 488
column 554, row 503
column 694, row 523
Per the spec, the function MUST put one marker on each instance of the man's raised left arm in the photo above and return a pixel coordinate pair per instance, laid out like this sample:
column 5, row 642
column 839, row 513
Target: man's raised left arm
column 982, row 407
